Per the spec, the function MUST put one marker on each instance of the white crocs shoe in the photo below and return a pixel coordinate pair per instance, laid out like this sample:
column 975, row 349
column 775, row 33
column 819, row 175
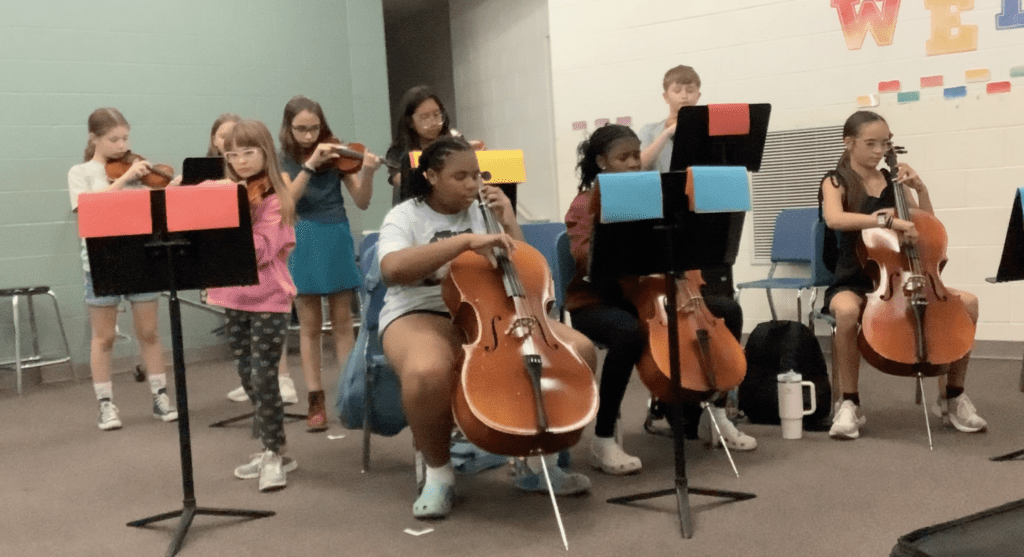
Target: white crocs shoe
column 735, row 439
column 607, row 456
column 288, row 394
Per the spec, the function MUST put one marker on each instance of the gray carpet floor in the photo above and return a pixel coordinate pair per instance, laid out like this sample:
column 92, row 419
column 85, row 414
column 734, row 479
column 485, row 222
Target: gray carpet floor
column 69, row 489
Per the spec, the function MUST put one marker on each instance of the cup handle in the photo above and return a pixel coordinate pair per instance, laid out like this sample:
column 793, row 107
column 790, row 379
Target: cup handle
column 814, row 397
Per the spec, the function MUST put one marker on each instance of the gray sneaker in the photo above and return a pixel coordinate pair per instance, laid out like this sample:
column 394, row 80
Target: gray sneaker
column 162, row 409
column 108, row 419
column 251, row 470
column 272, row 474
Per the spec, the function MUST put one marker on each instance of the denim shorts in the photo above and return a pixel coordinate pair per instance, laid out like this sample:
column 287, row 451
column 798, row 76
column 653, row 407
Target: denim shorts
column 105, row 301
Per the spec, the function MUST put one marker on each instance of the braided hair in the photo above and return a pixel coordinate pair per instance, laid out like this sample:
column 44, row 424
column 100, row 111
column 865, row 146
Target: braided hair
column 599, row 143
column 434, row 157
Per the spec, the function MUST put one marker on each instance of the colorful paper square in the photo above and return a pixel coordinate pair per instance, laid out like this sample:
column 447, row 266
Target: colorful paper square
column 114, row 213
column 728, row 119
column 908, row 96
column 889, row 86
column 997, row 87
column 202, row 207
column 867, row 100
column 932, row 81
column 630, row 196
column 954, row 92
column 977, row 76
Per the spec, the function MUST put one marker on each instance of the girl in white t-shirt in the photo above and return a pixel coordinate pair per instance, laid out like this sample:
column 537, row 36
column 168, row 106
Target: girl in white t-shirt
column 418, row 240
column 108, row 140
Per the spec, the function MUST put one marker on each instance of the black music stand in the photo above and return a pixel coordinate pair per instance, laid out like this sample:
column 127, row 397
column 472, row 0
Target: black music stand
column 704, row 137
column 163, row 260
column 618, row 249
column 1011, row 268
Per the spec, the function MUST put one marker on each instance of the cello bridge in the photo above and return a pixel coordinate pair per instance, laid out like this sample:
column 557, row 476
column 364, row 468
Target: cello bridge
column 522, row 327
column 914, row 285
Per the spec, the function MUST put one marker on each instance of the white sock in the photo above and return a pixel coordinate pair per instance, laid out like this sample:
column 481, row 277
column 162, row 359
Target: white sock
column 444, row 474
column 104, row 390
column 601, row 443
column 157, row 382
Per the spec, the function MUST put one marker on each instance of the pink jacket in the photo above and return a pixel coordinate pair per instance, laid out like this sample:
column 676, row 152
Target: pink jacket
column 274, row 240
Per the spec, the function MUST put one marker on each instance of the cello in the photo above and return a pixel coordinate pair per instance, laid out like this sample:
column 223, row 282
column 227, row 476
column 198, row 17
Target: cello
column 912, row 325
column 711, row 360
column 521, row 390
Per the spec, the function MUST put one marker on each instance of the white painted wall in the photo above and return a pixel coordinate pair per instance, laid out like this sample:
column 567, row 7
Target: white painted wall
column 503, row 89
column 608, row 58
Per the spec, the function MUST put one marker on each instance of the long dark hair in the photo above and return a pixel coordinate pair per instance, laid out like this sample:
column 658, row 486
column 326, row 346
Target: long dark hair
column 434, row 157
column 101, row 121
column 406, row 137
column 844, row 173
column 599, row 143
column 289, row 146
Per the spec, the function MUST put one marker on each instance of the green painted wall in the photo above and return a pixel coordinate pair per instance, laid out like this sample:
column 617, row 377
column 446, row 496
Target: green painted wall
column 171, row 67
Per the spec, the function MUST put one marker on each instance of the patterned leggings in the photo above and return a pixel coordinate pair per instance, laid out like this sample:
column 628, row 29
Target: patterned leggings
column 257, row 340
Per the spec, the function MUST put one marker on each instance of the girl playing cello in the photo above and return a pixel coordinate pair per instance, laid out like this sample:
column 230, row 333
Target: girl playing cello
column 857, row 196
column 418, row 240
column 603, row 313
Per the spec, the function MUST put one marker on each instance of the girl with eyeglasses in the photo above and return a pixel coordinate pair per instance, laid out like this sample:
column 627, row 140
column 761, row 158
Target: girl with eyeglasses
column 258, row 315
column 324, row 261
column 424, row 119
column 856, row 196
column 222, row 126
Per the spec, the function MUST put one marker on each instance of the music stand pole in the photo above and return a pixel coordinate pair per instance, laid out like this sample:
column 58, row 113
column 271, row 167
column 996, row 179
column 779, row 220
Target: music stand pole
column 189, row 508
column 676, row 417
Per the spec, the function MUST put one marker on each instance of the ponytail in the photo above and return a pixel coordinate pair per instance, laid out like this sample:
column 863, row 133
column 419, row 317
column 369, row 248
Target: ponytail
column 599, row 143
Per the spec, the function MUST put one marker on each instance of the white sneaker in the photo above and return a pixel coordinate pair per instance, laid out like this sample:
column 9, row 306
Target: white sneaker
column 238, row 395
column 162, row 409
column 960, row 413
column 288, row 394
column 251, row 470
column 846, row 424
column 272, row 472
column 108, row 419
column 735, row 439
column 607, row 456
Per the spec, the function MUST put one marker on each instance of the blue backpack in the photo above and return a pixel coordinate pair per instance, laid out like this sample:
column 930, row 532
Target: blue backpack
column 367, row 371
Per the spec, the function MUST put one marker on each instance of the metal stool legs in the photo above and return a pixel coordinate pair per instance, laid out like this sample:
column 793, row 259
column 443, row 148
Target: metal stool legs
column 35, row 360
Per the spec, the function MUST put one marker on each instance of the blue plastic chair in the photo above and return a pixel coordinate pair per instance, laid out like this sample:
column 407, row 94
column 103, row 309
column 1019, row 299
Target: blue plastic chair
column 792, row 242
column 544, row 237
column 378, row 409
column 566, row 265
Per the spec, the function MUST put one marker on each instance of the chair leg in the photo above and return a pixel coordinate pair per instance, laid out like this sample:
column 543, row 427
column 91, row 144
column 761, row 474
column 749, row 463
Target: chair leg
column 771, row 304
column 799, row 300
column 17, row 342
column 837, row 388
column 367, row 408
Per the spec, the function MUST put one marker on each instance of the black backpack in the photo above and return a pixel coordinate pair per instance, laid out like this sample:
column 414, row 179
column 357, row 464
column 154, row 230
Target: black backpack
column 776, row 347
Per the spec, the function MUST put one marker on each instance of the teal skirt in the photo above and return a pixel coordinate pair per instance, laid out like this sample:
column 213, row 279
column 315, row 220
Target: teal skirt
column 324, row 259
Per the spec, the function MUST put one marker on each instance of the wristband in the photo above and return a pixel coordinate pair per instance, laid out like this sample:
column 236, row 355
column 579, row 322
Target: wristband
column 889, row 221
column 306, row 168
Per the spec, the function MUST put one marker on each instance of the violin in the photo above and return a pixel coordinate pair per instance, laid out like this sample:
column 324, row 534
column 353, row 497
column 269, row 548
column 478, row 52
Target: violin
column 350, row 157
column 711, row 360
column 521, row 389
column 912, row 325
column 158, row 177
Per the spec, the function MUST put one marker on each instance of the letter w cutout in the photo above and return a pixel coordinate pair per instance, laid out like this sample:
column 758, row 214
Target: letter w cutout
column 882, row 24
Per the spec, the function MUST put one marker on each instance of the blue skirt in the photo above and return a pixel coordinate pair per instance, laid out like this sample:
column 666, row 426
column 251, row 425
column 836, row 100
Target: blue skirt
column 324, row 259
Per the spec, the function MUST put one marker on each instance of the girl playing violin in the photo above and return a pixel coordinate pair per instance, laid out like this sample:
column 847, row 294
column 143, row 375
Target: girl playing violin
column 418, row 239
column 257, row 316
column 602, row 312
column 324, row 261
column 854, row 197
column 222, row 126
column 108, row 140
column 424, row 119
